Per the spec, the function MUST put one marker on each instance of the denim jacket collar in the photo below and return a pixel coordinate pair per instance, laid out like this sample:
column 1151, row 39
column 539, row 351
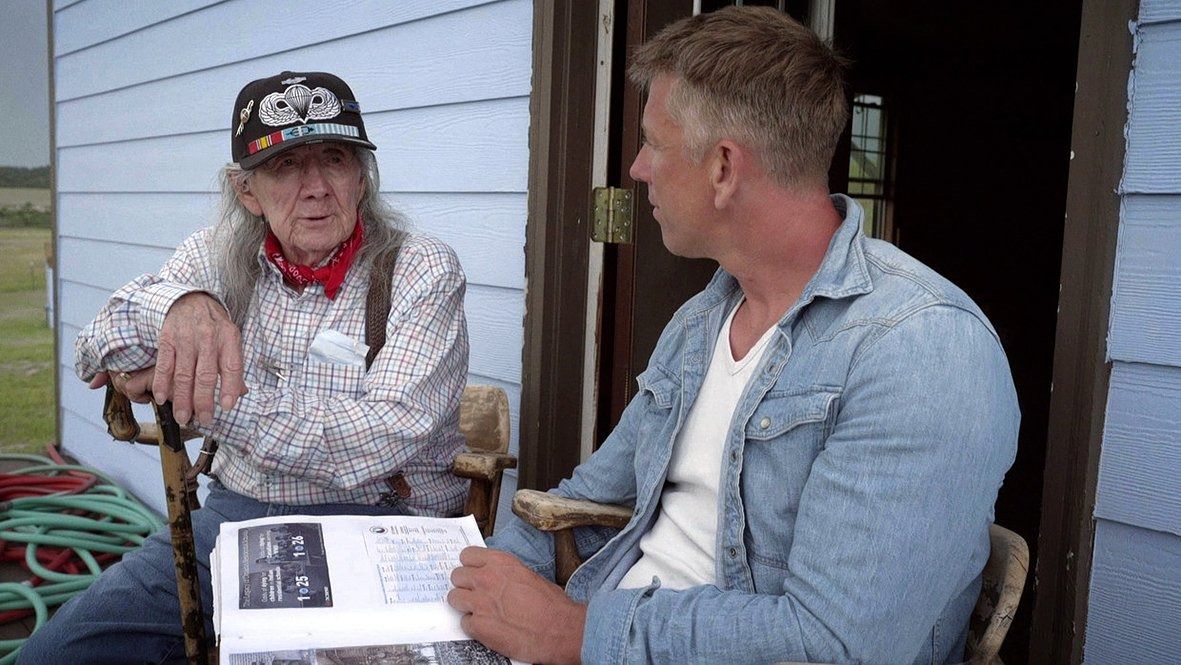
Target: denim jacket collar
column 842, row 272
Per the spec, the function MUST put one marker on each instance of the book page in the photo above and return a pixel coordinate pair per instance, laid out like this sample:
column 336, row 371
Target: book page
column 414, row 561
column 341, row 589
column 441, row 653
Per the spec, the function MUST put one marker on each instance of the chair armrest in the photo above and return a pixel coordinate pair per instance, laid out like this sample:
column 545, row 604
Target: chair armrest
column 559, row 515
column 482, row 465
column 550, row 512
column 1002, row 582
column 484, row 470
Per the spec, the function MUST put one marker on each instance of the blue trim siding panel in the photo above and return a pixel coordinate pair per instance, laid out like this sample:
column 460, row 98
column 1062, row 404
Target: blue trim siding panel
column 1159, row 11
column 1146, row 298
column 1135, row 596
column 1153, row 163
column 1134, row 607
column 1140, row 468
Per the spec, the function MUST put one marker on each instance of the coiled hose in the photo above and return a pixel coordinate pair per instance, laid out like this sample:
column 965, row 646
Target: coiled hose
column 63, row 523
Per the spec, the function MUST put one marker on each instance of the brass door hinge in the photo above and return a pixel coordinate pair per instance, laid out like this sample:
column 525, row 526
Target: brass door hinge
column 612, row 212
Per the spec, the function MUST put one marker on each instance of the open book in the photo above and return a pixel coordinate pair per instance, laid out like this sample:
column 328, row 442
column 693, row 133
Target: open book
column 344, row 589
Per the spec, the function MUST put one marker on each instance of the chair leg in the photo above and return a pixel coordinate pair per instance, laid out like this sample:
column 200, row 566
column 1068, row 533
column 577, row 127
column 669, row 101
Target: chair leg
column 478, row 505
column 565, row 555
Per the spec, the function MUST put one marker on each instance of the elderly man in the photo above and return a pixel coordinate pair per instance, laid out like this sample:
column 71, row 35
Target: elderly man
column 255, row 328
column 817, row 442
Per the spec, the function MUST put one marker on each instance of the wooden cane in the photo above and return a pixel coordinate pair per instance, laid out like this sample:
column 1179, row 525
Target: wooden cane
column 180, row 496
column 122, row 426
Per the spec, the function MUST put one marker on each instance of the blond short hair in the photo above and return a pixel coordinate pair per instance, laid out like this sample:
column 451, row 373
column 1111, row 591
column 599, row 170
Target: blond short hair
column 757, row 76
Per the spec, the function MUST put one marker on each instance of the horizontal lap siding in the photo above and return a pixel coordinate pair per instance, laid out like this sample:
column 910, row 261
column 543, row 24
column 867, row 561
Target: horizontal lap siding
column 1159, row 11
column 88, row 23
column 142, row 109
column 458, row 147
column 485, row 56
column 1146, row 293
column 1153, row 162
column 1135, row 595
column 236, row 32
column 1140, row 467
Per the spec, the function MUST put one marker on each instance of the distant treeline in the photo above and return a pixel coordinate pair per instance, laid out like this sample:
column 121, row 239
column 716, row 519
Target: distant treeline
column 16, row 176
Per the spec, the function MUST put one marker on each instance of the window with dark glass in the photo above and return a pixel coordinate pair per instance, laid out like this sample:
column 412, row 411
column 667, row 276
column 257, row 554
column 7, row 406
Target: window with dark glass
column 869, row 163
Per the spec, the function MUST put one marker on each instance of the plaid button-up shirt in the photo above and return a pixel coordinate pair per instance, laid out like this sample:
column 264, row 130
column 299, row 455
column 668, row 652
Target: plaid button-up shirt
column 308, row 431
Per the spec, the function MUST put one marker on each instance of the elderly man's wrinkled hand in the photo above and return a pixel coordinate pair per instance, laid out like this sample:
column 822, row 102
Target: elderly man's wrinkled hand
column 199, row 347
column 513, row 610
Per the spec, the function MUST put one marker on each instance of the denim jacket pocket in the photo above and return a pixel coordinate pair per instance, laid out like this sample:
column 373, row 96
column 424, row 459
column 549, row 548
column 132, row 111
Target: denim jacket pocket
column 784, row 410
column 783, row 437
column 660, row 383
column 660, row 389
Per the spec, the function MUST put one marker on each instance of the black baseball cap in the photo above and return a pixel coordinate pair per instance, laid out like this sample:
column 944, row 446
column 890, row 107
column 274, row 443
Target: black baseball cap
column 274, row 114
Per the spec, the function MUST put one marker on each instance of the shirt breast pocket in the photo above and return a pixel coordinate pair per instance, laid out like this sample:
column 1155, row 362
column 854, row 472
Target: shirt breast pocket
column 783, row 438
column 327, row 380
column 660, row 390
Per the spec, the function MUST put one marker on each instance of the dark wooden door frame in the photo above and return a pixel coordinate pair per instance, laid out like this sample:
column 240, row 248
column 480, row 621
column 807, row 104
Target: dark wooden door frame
column 1081, row 370
column 561, row 141
column 636, row 312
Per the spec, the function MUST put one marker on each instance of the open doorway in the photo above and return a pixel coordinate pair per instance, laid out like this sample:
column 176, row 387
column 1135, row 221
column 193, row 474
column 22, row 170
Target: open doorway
column 961, row 144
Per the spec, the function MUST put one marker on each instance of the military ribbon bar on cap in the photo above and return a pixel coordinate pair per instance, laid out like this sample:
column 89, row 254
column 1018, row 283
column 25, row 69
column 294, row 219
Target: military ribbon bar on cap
column 301, row 130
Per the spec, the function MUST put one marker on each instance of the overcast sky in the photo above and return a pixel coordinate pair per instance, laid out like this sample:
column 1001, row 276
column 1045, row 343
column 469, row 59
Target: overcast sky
column 24, row 84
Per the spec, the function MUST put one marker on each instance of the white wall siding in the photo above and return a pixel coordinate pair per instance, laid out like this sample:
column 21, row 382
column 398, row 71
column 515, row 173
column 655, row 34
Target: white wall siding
column 1135, row 596
column 143, row 97
column 469, row 55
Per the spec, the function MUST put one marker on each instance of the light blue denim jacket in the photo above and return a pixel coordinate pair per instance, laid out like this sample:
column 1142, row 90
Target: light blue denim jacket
column 859, row 476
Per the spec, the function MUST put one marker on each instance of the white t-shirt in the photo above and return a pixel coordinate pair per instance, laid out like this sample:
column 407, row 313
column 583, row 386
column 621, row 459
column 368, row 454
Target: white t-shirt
column 680, row 547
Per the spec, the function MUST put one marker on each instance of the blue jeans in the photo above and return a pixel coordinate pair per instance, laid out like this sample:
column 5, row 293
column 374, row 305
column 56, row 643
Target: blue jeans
column 131, row 613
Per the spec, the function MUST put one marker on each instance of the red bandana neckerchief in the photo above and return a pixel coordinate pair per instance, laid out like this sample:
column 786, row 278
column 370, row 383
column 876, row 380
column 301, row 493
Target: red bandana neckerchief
column 331, row 274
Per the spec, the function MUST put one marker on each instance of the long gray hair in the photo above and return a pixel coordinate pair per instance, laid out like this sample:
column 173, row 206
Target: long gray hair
column 239, row 233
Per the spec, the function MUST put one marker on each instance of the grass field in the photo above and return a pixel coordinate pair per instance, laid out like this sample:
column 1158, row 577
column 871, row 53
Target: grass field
column 15, row 197
column 26, row 343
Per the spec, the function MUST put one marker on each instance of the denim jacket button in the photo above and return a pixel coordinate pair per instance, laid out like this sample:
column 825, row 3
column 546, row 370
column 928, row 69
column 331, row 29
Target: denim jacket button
column 733, row 455
column 765, row 423
column 733, row 552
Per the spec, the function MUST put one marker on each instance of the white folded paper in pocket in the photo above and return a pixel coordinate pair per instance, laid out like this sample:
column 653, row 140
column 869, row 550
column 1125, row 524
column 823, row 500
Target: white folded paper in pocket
column 336, row 348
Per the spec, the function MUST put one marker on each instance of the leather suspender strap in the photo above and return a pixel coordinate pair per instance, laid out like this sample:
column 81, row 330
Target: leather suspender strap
column 377, row 314
column 377, row 302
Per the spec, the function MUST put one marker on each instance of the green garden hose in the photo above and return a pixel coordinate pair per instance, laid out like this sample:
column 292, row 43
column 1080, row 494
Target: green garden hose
column 62, row 523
